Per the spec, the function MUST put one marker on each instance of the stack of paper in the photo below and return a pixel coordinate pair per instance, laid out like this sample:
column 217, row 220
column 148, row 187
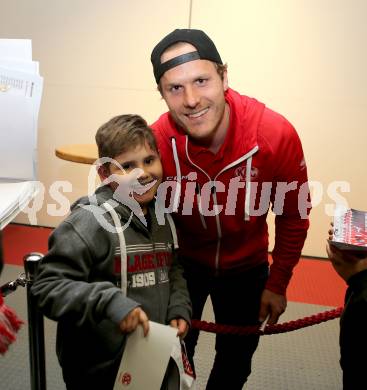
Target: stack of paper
column 20, row 99
column 350, row 229
column 14, row 197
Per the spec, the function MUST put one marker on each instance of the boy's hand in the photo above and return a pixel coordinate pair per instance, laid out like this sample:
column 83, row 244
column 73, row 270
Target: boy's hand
column 133, row 319
column 181, row 325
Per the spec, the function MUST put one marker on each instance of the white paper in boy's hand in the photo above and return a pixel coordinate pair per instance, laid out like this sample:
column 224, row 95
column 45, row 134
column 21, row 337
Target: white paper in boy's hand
column 145, row 359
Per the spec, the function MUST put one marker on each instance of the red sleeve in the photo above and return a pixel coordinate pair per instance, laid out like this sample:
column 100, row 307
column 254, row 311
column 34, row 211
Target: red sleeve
column 291, row 207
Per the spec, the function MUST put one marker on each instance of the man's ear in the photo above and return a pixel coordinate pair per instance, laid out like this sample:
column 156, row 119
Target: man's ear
column 225, row 80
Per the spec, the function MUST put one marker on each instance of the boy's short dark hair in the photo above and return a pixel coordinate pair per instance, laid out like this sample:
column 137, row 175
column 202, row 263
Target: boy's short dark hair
column 123, row 133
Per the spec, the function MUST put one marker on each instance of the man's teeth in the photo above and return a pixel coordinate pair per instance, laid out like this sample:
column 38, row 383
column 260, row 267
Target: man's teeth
column 197, row 114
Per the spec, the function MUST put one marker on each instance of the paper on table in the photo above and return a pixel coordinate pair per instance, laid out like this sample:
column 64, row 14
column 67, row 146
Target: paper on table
column 145, row 359
column 22, row 83
column 20, row 49
column 13, row 198
column 24, row 66
column 19, row 107
column 18, row 139
column 20, row 100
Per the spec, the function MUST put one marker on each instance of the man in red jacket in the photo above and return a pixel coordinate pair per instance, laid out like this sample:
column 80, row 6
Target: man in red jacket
column 229, row 158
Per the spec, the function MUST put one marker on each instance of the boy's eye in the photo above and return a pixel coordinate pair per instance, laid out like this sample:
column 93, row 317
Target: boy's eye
column 149, row 160
column 126, row 167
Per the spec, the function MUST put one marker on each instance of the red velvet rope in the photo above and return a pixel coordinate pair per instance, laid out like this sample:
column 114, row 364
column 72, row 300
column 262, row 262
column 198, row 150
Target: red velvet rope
column 269, row 329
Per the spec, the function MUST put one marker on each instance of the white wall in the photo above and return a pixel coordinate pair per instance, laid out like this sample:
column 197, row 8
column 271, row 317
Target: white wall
column 95, row 59
column 306, row 59
column 303, row 58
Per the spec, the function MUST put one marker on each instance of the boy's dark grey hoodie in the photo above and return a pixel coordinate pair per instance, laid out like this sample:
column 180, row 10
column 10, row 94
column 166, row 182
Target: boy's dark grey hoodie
column 78, row 286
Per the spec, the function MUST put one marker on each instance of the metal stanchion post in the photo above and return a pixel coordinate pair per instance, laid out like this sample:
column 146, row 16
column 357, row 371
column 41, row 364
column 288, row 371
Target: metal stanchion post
column 35, row 326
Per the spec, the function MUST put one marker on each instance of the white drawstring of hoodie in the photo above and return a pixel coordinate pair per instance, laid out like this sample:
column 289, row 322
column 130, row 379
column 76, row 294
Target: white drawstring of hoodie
column 247, row 157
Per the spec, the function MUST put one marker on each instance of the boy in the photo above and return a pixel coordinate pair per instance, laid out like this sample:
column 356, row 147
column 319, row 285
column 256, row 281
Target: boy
column 83, row 282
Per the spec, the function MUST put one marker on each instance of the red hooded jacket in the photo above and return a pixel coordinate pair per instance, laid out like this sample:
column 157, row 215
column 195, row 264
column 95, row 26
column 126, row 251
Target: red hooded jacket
column 221, row 200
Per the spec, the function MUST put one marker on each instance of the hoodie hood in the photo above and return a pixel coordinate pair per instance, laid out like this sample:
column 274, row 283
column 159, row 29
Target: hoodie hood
column 104, row 194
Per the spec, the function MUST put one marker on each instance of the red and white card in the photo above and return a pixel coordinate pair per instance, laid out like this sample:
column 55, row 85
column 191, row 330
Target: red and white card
column 145, row 359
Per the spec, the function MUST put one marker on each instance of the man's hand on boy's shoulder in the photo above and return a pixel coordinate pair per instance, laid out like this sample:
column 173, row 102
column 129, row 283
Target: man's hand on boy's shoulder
column 136, row 317
column 181, row 325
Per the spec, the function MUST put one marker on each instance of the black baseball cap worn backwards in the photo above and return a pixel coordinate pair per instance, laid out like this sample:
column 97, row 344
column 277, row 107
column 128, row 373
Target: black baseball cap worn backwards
column 205, row 50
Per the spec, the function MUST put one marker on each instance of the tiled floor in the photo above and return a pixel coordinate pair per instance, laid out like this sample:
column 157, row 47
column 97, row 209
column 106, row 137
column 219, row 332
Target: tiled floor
column 305, row 359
